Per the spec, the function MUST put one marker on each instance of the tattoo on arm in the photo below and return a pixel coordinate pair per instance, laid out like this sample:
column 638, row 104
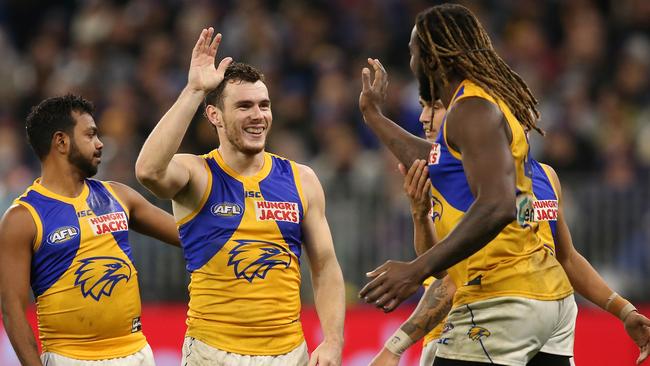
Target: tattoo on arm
column 432, row 309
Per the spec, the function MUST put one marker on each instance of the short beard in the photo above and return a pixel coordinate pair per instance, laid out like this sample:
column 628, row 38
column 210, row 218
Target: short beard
column 77, row 160
column 235, row 139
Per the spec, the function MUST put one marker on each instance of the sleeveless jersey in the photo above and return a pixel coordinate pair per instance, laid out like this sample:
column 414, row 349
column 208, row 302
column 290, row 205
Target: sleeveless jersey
column 545, row 215
column 514, row 263
column 82, row 273
column 242, row 247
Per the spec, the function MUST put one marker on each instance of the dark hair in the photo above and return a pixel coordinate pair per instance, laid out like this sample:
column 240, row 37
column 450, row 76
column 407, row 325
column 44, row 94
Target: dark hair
column 449, row 35
column 236, row 72
column 53, row 115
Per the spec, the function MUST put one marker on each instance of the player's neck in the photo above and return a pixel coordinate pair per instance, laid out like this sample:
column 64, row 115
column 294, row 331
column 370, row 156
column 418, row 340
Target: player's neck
column 61, row 178
column 244, row 164
column 448, row 91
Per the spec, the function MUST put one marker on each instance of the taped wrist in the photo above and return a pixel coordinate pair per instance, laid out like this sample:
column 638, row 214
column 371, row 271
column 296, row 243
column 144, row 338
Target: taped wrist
column 398, row 342
column 619, row 306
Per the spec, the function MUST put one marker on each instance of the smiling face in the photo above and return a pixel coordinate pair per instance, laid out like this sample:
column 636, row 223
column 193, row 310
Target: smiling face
column 85, row 147
column 246, row 117
column 431, row 118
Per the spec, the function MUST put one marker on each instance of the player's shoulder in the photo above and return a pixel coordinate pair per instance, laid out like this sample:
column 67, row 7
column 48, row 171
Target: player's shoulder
column 474, row 106
column 19, row 218
column 307, row 174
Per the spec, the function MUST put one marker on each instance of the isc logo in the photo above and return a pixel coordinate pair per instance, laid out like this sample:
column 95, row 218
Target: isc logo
column 252, row 194
column 84, row 213
column 62, row 234
column 226, row 209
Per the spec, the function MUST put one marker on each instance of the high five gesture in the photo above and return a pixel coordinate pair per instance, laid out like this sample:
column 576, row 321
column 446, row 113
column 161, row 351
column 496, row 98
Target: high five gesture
column 203, row 75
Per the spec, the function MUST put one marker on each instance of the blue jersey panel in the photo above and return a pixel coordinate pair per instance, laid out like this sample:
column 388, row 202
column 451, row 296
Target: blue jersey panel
column 543, row 189
column 202, row 237
column 448, row 177
column 60, row 243
column 280, row 185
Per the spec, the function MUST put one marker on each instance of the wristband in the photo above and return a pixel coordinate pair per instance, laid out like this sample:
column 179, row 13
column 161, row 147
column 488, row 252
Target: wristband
column 627, row 309
column 398, row 342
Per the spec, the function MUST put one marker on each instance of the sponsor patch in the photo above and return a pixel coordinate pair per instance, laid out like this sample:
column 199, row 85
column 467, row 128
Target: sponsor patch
column 109, row 223
column 525, row 211
column 62, row 234
column 434, row 154
column 277, row 211
column 136, row 325
column 226, row 209
column 545, row 210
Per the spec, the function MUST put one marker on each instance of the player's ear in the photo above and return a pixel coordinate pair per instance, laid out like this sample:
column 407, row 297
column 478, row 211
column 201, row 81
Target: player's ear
column 214, row 115
column 61, row 142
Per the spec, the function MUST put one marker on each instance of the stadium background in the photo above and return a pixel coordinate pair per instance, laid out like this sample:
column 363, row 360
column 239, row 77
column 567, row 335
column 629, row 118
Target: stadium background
column 588, row 62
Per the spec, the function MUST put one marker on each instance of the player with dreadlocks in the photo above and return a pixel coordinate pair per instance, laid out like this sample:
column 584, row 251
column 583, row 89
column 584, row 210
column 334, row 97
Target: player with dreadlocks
column 481, row 174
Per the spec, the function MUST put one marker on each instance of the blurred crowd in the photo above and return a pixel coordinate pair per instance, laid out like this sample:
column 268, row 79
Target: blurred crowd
column 587, row 62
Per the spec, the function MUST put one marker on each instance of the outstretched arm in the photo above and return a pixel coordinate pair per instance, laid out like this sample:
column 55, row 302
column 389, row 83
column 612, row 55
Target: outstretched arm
column 329, row 291
column 146, row 218
column 588, row 283
column 17, row 232
column 157, row 168
column 477, row 129
column 432, row 309
column 405, row 146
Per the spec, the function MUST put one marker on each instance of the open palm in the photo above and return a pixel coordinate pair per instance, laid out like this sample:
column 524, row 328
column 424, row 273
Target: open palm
column 203, row 75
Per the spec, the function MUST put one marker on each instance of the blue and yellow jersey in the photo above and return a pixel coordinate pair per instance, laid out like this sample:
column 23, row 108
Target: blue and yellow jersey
column 242, row 247
column 545, row 214
column 514, row 263
column 82, row 273
column 545, row 206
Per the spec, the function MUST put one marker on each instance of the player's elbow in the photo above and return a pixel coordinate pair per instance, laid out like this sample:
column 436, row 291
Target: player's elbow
column 146, row 174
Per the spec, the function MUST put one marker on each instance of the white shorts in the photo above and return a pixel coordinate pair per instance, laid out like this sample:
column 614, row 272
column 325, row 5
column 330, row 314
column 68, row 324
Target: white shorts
column 143, row 357
column 197, row 353
column 429, row 353
column 509, row 330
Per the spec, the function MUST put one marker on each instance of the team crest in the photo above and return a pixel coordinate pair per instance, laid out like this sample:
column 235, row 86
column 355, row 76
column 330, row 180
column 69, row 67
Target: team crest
column 436, row 209
column 477, row 333
column 98, row 276
column 254, row 258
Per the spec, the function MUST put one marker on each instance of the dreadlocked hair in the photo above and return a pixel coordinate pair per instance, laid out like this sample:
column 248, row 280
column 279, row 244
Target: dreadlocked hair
column 450, row 38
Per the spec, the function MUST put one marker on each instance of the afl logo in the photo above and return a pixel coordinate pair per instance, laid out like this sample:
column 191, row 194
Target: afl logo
column 62, row 234
column 226, row 209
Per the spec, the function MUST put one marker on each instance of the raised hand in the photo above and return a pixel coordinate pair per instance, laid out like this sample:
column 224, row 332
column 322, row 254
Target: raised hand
column 637, row 327
column 203, row 75
column 373, row 94
column 417, row 187
column 392, row 283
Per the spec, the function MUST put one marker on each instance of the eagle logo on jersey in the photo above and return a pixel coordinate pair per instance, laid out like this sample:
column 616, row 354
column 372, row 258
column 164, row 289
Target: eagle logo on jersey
column 99, row 275
column 254, row 258
column 475, row 333
column 436, row 209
